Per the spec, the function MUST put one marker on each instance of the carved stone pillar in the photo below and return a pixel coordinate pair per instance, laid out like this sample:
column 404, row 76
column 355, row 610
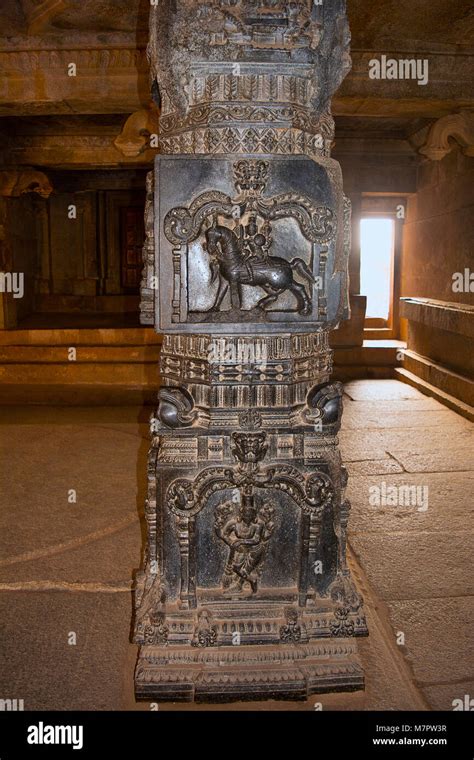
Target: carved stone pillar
column 245, row 591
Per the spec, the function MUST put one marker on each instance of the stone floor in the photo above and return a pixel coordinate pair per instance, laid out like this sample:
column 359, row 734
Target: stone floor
column 65, row 565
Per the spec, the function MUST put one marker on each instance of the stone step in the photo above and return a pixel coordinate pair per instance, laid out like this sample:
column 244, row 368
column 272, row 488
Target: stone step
column 439, row 376
column 120, row 366
column 40, row 354
column 85, row 394
column 371, row 353
column 135, row 374
column 430, row 390
column 375, row 359
column 120, row 336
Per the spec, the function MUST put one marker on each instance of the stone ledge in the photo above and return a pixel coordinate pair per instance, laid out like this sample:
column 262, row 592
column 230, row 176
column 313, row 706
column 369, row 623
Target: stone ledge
column 277, row 672
column 442, row 315
column 452, row 383
column 465, row 410
column 71, row 336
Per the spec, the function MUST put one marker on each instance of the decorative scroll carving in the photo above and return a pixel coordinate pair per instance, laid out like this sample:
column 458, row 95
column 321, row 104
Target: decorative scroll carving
column 318, row 224
column 176, row 407
column 324, row 406
column 313, row 493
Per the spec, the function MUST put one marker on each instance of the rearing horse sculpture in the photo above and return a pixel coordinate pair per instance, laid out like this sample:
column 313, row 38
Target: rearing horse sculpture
column 272, row 273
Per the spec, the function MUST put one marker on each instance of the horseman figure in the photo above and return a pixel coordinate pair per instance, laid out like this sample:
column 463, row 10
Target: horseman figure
column 239, row 261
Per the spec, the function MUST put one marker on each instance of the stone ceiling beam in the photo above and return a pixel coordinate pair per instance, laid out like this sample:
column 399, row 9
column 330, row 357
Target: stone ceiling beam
column 115, row 79
column 74, row 152
column 107, row 80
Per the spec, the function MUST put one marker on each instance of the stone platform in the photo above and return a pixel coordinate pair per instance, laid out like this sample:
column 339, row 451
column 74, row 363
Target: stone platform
column 222, row 675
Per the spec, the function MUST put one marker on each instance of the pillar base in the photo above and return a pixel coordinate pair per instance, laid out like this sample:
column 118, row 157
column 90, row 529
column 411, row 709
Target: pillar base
column 226, row 674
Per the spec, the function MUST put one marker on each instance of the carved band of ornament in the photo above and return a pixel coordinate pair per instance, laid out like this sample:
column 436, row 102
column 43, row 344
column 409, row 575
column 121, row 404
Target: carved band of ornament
column 223, row 140
column 31, row 60
column 317, row 223
column 228, row 88
column 213, row 115
column 186, row 498
column 276, row 347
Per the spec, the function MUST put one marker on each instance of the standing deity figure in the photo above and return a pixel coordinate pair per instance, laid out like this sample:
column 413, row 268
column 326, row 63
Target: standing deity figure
column 246, row 534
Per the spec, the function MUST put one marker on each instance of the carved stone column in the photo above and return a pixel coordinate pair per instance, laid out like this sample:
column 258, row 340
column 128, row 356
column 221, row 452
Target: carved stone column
column 245, row 591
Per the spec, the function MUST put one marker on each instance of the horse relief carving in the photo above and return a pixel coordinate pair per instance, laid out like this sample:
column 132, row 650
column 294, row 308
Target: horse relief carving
column 249, row 255
column 236, row 265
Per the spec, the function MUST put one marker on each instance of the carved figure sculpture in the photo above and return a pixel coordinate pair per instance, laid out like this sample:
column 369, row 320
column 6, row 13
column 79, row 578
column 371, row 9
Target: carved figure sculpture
column 246, row 531
column 271, row 273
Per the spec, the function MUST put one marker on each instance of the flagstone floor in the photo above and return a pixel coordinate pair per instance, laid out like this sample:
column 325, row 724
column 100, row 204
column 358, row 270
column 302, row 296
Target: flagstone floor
column 71, row 535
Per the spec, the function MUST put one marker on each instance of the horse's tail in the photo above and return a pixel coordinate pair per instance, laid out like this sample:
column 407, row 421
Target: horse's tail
column 302, row 268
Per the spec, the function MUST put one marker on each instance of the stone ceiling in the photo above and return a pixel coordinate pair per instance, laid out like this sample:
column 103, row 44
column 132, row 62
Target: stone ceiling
column 106, row 39
column 398, row 24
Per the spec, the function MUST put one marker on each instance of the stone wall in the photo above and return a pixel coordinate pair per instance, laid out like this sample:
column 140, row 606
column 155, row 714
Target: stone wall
column 439, row 229
column 437, row 262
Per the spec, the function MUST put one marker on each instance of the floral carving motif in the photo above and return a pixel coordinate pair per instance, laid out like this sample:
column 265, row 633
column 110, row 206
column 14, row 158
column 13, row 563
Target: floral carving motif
column 292, row 632
column 341, row 625
column 205, row 634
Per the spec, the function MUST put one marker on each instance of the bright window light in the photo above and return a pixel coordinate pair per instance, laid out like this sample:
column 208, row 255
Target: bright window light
column 376, row 252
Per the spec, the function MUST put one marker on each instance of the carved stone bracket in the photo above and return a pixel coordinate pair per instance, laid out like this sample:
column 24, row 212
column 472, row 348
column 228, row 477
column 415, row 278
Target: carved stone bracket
column 456, row 128
column 135, row 135
column 16, row 182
